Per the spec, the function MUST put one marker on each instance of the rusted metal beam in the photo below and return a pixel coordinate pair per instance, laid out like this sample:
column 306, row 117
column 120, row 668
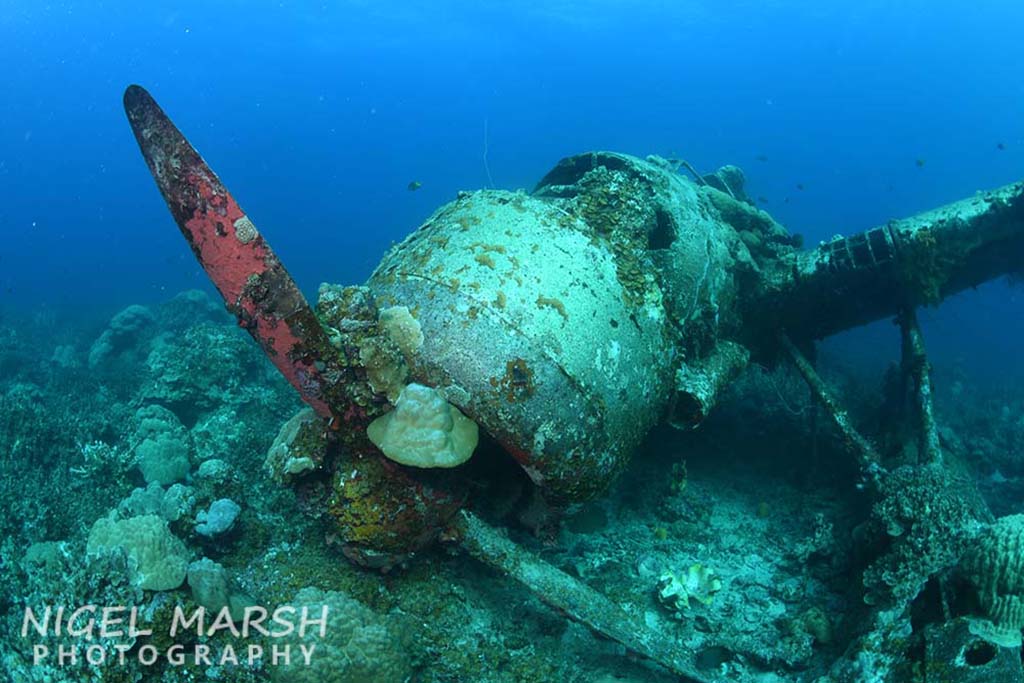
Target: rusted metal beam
column 921, row 260
column 865, row 453
column 918, row 370
column 572, row 597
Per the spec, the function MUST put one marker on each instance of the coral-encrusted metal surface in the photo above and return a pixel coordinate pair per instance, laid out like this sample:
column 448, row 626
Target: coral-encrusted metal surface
column 256, row 287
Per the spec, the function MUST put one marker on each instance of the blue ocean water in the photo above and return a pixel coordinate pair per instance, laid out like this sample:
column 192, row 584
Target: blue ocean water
column 318, row 115
column 768, row 545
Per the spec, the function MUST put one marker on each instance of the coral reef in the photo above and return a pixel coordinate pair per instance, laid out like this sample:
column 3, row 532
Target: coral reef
column 208, row 582
column 299, row 447
column 114, row 478
column 219, row 519
column 159, row 558
column 163, row 460
column 63, row 574
column 199, row 370
column 355, row 645
column 925, row 518
column 171, row 504
column 678, row 591
column 127, row 331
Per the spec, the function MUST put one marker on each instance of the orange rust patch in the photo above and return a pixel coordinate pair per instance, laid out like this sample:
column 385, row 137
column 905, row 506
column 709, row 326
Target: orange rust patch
column 497, row 248
column 550, row 302
column 517, row 383
column 466, row 222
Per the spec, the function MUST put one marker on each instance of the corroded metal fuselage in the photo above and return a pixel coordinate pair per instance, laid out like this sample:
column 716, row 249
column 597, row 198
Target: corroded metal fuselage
column 558, row 320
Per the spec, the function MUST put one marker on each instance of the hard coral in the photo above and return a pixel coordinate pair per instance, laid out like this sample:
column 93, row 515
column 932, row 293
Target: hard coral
column 357, row 645
column 163, row 460
column 926, row 520
column 300, row 447
column 127, row 331
column 219, row 519
column 995, row 569
column 161, row 559
column 684, row 590
column 424, row 430
column 199, row 370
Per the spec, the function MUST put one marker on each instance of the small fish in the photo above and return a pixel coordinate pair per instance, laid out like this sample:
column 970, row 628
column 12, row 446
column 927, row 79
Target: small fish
column 1000, row 146
column 800, row 186
column 920, row 163
column 414, row 185
column 761, row 157
column 763, row 200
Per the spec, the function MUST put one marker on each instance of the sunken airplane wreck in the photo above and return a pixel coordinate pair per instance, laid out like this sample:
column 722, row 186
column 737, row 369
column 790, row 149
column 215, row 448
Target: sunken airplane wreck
column 562, row 325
